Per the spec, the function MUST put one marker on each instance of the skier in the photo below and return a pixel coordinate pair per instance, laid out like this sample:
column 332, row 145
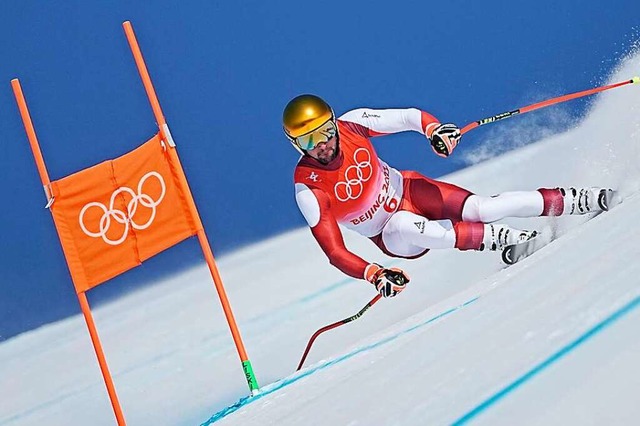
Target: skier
column 340, row 180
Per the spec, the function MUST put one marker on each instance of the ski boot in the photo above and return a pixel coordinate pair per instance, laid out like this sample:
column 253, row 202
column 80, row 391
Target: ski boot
column 588, row 200
column 498, row 236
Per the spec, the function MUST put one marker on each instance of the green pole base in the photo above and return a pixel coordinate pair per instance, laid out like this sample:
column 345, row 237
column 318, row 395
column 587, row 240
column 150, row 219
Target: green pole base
column 251, row 378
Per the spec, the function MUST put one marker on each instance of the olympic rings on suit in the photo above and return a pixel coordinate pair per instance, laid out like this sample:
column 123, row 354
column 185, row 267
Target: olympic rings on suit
column 352, row 187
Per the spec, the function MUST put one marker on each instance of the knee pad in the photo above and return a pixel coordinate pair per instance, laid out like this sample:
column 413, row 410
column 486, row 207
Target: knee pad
column 471, row 209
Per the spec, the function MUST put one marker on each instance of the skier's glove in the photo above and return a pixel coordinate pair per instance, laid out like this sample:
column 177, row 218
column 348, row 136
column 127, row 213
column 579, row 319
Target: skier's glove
column 388, row 282
column 444, row 139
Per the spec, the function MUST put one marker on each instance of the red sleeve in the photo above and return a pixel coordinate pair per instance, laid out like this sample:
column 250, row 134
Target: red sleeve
column 329, row 237
column 428, row 123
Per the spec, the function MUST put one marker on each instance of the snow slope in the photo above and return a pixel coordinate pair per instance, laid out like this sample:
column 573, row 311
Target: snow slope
column 551, row 340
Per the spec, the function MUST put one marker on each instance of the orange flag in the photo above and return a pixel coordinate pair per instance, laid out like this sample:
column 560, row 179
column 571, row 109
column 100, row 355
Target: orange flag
column 113, row 216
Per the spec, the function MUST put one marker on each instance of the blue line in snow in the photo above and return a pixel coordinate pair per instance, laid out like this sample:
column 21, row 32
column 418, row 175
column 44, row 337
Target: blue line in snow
column 269, row 389
column 548, row 362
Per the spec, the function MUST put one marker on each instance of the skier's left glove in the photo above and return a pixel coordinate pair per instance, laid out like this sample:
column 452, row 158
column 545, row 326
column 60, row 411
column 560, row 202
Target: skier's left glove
column 444, row 139
column 388, row 282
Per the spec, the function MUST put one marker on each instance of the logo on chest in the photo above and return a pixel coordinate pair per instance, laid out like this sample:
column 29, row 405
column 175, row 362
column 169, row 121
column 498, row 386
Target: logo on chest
column 352, row 187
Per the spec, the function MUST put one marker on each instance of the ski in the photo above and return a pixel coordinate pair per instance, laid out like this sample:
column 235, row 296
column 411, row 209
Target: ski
column 516, row 252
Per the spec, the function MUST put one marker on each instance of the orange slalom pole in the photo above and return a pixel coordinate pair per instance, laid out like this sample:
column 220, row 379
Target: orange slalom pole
column 31, row 134
column 144, row 73
column 208, row 255
column 84, row 305
column 108, row 381
column 546, row 103
column 202, row 238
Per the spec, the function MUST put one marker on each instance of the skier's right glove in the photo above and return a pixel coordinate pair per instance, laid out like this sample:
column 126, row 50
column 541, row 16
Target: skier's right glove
column 444, row 139
column 388, row 282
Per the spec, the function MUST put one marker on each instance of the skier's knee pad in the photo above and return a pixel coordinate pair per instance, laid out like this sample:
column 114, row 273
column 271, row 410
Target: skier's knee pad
column 471, row 209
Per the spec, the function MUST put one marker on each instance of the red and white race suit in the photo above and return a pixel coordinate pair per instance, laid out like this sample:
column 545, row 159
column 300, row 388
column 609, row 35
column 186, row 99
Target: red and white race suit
column 403, row 213
column 357, row 189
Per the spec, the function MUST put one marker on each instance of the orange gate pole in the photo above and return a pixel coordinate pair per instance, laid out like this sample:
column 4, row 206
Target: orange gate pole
column 108, row 381
column 84, row 304
column 202, row 237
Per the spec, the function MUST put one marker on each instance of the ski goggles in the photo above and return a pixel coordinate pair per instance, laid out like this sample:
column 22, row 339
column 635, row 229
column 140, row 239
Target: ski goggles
column 322, row 134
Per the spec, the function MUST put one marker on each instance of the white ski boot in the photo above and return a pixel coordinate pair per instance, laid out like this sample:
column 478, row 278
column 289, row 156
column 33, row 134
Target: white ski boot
column 588, row 200
column 498, row 236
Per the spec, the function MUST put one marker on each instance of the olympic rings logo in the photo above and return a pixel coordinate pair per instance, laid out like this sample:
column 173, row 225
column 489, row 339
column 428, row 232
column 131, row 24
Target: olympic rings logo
column 124, row 218
column 354, row 176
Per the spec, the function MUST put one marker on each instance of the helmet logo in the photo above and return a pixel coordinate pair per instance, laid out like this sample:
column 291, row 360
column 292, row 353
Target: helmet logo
column 352, row 186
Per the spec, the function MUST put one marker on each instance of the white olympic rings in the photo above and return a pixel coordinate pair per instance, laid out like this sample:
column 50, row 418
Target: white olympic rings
column 124, row 218
column 354, row 176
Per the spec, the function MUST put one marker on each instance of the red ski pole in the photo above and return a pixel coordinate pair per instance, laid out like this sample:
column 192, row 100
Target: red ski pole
column 546, row 103
column 334, row 325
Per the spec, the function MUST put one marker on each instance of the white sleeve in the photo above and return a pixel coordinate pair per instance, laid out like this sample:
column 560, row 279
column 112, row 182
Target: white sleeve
column 383, row 121
column 308, row 204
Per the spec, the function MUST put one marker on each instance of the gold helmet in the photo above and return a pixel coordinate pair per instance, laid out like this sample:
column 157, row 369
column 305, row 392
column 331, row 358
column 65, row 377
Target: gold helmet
column 307, row 121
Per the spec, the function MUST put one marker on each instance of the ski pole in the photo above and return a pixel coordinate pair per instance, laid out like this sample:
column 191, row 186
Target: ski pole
column 546, row 103
column 336, row 324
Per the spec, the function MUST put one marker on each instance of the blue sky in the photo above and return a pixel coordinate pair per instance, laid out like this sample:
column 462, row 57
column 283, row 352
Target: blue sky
column 224, row 71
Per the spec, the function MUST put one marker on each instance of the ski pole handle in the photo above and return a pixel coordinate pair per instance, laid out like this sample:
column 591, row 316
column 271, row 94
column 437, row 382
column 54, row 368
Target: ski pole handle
column 548, row 102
